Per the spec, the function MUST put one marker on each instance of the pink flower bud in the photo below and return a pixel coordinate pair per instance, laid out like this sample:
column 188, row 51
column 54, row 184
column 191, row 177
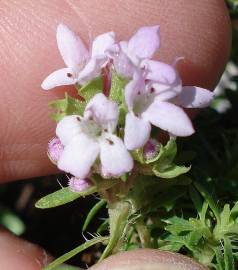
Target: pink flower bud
column 77, row 185
column 55, row 149
column 151, row 148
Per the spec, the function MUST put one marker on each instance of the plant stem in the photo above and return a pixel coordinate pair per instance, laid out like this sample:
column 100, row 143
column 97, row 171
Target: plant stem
column 144, row 233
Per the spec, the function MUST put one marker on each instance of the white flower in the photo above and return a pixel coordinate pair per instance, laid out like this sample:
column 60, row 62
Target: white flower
column 85, row 138
column 82, row 65
column 156, row 104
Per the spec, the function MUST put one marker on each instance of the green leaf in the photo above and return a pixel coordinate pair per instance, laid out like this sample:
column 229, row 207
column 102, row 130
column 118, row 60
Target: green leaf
column 234, row 210
column 219, row 258
column 171, row 172
column 62, row 196
column 178, row 225
column 194, row 237
column 225, row 215
column 74, row 252
column 117, row 88
column 214, row 207
column 103, row 227
column 228, row 255
column 118, row 218
column 200, row 206
column 66, row 267
column 172, row 246
column 92, row 213
column 11, row 221
column 67, row 106
column 90, row 89
column 196, row 198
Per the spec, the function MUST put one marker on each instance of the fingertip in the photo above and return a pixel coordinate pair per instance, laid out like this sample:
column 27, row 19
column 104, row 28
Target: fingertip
column 19, row 254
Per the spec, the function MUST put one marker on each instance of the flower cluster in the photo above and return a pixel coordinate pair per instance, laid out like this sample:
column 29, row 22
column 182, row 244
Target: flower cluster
column 103, row 137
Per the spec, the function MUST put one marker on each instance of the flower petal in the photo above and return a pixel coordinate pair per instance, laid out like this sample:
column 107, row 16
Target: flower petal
column 159, row 72
column 134, row 88
column 123, row 65
column 59, row 77
column 145, row 42
column 101, row 43
column 68, row 127
column 194, row 97
column 91, row 70
column 169, row 117
column 104, row 111
column 115, row 158
column 165, row 92
column 137, row 132
column 71, row 47
column 78, row 156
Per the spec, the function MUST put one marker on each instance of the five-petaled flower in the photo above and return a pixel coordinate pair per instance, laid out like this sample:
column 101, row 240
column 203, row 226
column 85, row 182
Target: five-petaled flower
column 157, row 104
column 82, row 65
column 85, row 138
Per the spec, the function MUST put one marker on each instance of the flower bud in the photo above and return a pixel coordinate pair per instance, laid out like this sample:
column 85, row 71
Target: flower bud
column 55, row 149
column 78, row 185
column 151, row 148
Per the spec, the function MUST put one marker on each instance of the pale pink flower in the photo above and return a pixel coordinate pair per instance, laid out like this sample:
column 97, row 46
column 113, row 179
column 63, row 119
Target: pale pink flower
column 55, row 149
column 91, row 136
column 82, row 65
column 155, row 104
column 128, row 55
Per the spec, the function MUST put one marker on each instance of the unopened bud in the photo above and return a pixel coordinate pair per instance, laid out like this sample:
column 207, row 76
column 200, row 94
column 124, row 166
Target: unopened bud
column 55, row 149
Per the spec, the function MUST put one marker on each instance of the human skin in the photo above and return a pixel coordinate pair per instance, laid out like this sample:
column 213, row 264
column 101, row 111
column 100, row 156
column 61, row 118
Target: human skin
column 197, row 30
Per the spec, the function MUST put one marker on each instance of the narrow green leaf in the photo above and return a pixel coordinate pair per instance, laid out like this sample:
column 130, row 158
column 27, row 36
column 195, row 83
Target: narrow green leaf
column 234, row 210
column 67, row 267
column 200, row 206
column 219, row 258
column 74, row 252
column 214, row 207
column 225, row 215
column 62, row 196
column 92, row 213
column 228, row 255
column 11, row 221
column 103, row 227
column 197, row 201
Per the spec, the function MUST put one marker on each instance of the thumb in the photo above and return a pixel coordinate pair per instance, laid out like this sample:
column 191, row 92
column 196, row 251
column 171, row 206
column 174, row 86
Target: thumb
column 196, row 30
column 19, row 254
